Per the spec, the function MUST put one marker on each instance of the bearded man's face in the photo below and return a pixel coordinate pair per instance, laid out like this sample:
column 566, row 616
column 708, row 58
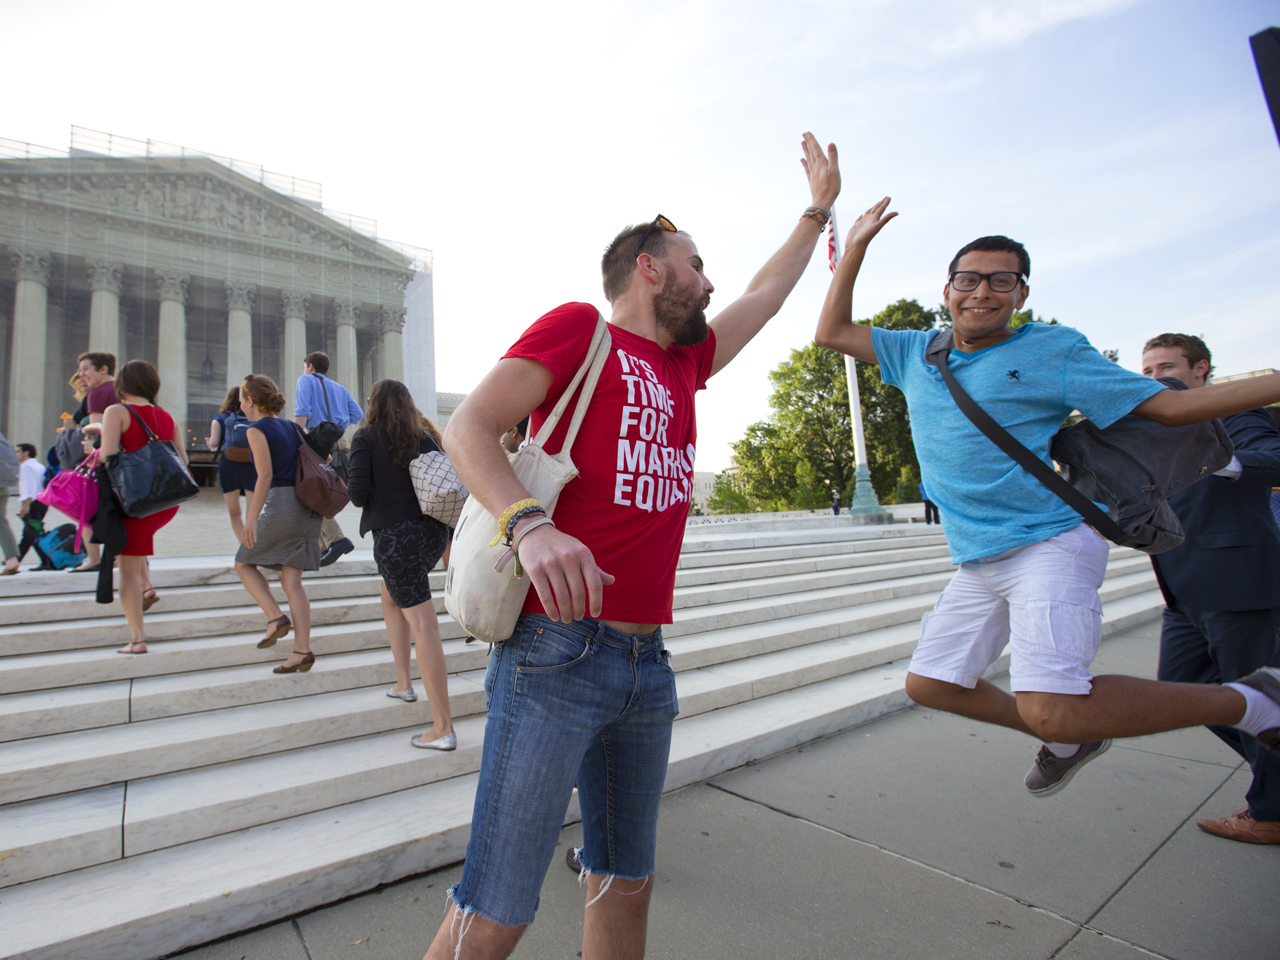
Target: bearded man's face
column 680, row 309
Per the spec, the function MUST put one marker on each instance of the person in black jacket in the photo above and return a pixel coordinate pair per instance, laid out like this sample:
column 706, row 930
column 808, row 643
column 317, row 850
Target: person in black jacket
column 406, row 545
column 1222, row 584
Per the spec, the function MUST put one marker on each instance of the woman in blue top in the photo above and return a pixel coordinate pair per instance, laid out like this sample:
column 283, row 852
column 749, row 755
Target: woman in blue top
column 279, row 531
column 234, row 476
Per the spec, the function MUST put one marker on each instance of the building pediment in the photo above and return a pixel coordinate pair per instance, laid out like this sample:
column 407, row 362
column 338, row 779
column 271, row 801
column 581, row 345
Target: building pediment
column 189, row 203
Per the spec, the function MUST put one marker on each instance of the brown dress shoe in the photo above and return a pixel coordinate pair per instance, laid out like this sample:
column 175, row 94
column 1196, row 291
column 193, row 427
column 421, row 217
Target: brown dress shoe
column 1240, row 826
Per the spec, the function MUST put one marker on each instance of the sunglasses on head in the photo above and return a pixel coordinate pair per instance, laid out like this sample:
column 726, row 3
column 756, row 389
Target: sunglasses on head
column 658, row 221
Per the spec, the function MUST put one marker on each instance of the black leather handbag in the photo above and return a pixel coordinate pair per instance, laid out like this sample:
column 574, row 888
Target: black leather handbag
column 151, row 478
column 322, row 437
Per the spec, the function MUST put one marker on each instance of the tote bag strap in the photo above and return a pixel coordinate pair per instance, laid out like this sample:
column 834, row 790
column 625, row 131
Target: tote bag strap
column 592, row 365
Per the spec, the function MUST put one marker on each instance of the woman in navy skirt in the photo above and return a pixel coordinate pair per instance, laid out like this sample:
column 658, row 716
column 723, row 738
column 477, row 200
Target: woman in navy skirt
column 406, row 545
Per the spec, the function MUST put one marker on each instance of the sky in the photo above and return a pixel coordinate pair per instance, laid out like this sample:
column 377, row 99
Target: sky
column 1126, row 143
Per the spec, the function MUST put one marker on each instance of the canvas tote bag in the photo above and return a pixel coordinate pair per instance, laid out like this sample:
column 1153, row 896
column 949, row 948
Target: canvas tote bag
column 481, row 592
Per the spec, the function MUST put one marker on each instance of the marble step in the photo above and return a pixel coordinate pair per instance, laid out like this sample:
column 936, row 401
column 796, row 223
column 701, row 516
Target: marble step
column 693, row 559
column 63, row 762
column 70, row 606
column 106, row 631
column 189, row 894
column 187, row 805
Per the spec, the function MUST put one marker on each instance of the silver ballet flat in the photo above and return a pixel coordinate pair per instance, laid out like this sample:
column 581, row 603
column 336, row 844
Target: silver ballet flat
column 448, row 742
column 408, row 696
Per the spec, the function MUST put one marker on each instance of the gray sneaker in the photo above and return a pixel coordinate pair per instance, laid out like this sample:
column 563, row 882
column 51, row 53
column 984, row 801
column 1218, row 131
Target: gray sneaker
column 1050, row 773
column 1266, row 680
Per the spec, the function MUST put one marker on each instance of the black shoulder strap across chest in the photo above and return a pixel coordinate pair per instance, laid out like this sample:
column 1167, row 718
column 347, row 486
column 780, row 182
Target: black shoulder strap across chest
column 324, row 392
column 936, row 353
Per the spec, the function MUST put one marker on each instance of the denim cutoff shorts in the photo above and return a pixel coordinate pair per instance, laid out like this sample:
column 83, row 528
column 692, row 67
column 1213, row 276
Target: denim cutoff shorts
column 568, row 703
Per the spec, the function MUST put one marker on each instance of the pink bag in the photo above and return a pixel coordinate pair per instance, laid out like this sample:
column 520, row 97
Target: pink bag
column 75, row 493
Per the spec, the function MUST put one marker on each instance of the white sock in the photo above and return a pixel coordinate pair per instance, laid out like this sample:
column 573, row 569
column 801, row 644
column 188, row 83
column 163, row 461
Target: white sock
column 1260, row 712
column 1063, row 751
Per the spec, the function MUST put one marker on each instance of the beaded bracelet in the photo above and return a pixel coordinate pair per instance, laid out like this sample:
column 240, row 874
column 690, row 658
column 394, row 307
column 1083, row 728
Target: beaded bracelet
column 818, row 215
column 510, row 532
column 505, row 521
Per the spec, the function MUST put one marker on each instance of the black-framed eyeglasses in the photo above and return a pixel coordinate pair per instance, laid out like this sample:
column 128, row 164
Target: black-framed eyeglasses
column 1002, row 281
column 658, row 221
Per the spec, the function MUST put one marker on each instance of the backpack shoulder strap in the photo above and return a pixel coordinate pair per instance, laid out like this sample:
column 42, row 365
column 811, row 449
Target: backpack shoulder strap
column 324, row 392
column 936, row 354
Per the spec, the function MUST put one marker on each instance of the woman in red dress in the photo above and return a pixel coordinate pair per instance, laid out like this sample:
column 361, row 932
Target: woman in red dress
column 137, row 384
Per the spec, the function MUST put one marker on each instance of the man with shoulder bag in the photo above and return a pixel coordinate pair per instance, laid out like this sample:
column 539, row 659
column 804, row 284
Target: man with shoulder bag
column 1028, row 567
column 581, row 689
column 324, row 409
column 1222, row 585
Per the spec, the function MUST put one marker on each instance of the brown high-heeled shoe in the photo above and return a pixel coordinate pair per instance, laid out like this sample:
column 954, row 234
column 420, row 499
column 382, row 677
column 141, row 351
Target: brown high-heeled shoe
column 278, row 627
column 302, row 666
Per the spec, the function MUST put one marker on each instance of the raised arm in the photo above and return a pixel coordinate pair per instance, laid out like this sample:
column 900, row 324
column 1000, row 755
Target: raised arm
column 745, row 317
column 559, row 567
column 1177, row 408
column 836, row 329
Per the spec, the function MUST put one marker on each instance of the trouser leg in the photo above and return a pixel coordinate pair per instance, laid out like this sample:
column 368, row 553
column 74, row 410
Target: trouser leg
column 1218, row 647
column 330, row 533
column 7, row 543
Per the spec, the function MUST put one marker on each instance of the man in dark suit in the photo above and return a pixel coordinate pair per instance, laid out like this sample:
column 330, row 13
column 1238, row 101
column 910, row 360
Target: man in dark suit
column 1222, row 585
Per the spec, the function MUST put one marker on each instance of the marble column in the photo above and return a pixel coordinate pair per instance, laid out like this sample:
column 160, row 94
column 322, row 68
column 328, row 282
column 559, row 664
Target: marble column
column 239, row 331
column 391, row 356
column 27, row 352
column 105, row 279
column 344, row 365
column 294, row 305
column 171, row 288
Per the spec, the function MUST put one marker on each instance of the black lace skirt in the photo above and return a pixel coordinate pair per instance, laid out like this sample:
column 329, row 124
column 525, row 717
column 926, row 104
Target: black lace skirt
column 405, row 553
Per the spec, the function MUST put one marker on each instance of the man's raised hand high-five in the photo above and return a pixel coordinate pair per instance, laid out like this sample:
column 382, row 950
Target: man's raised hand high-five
column 836, row 328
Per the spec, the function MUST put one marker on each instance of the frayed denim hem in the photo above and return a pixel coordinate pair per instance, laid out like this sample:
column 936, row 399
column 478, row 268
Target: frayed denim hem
column 464, row 916
column 608, row 880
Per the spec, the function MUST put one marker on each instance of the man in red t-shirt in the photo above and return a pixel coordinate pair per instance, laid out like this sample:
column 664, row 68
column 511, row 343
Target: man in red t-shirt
column 583, row 692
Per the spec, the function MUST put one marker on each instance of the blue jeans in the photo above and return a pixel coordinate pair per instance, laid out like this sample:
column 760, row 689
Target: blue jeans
column 578, row 702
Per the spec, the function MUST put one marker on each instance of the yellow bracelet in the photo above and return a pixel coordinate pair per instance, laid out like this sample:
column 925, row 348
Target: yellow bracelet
column 507, row 514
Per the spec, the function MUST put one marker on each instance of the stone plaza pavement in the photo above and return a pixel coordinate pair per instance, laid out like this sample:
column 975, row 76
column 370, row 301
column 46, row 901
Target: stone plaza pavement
column 909, row 837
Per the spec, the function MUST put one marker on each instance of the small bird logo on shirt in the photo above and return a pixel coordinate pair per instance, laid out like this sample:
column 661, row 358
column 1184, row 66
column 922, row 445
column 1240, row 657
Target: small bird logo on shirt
column 1013, row 375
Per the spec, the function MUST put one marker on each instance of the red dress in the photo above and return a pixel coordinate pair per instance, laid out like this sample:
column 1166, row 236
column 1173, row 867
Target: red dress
column 142, row 531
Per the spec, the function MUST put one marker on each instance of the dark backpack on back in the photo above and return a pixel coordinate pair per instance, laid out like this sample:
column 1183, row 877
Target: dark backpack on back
column 1132, row 467
column 322, row 437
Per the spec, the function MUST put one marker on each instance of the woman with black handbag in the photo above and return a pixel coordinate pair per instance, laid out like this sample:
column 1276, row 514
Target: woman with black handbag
column 406, row 545
column 279, row 530
column 236, row 474
column 123, row 430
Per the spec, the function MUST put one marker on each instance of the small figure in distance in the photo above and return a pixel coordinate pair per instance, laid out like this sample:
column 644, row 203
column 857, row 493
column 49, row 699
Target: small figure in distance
column 1222, row 583
column 514, row 438
column 235, row 476
column 1007, row 531
column 310, row 393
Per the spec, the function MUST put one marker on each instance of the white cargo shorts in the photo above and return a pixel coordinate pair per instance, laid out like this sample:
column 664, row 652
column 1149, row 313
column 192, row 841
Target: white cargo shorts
column 1041, row 600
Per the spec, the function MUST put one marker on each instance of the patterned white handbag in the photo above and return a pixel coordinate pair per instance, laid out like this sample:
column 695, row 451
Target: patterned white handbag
column 481, row 590
column 440, row 493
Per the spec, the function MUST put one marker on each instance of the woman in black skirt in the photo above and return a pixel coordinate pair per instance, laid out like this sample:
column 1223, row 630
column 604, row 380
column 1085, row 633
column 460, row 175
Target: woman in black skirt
column 406, row 545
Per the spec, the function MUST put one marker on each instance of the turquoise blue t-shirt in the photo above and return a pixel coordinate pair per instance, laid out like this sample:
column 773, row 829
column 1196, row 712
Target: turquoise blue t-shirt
column 1029, row 384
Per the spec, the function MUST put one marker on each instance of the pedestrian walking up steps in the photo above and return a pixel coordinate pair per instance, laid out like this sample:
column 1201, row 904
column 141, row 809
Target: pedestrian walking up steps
column 158, row 801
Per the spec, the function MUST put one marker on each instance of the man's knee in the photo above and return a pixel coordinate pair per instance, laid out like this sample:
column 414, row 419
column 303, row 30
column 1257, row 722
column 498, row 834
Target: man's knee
column 1052, row 717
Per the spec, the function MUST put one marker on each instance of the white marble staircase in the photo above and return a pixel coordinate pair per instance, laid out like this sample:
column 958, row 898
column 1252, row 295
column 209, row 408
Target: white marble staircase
column 154, row 802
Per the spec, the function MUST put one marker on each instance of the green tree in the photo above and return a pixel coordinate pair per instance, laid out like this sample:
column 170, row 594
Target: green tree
column 804, row 450
column 908, row 487
column 726, row 497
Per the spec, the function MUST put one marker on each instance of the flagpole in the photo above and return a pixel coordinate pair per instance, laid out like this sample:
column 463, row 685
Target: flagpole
column 865, row 500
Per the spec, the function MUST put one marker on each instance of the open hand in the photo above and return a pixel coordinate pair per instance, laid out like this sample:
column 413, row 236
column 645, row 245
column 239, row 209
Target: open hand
column 868, row 225
column 249, row 532
column 564, row 573
column 823, row 170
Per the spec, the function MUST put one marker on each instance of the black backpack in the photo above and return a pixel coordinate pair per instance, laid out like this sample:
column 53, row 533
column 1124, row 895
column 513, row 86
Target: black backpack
column 322, row 437
column 1133, row 466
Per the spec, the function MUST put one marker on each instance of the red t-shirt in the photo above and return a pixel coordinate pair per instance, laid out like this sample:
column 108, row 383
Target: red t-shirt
column 101, row 397
column 634, row 453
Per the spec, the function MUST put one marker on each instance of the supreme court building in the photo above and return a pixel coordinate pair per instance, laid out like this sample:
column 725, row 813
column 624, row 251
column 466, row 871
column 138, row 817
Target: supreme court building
column 210, row 268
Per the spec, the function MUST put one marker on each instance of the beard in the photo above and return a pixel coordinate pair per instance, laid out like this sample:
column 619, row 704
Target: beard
column 681, row 313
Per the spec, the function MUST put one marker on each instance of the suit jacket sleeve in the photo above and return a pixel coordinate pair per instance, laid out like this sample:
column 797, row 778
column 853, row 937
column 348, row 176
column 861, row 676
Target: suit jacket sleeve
column 360, row 474
column 1257, row 443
